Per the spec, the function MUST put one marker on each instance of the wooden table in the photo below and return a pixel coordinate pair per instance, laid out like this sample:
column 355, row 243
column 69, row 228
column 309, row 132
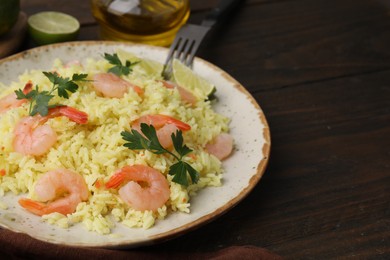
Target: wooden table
column 320, row 70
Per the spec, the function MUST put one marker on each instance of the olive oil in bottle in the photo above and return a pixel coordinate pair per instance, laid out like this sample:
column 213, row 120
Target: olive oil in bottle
column 154, row 22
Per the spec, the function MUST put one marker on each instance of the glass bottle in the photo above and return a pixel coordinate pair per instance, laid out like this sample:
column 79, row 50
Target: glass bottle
column 152, row 22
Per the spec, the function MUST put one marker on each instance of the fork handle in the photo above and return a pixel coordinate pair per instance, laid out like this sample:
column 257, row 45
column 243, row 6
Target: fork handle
column 222, row 9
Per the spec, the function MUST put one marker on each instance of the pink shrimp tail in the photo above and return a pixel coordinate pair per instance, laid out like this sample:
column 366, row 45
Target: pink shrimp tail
column 138, row 90
column 34, row 207
column 28, row 87
column 73, row 114
column 179, row 124
column 170, row 120
column 116, row 180
column 39, row 208
column 158, row 121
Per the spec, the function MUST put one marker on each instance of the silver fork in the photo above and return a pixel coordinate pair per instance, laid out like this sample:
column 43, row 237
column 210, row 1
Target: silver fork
column 190, row 36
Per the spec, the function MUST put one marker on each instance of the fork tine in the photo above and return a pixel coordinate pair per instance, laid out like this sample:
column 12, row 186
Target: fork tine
column 181, row 53
column 186, row 52
column 191, row 55
column 171, row 51
column 184, row 47
column 179, row 50
column 167, row 70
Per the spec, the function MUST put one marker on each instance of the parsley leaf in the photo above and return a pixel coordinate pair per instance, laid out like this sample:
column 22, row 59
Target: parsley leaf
column 63, row 85
column 149, row 141
column 39, row 100
column 135, row 140
column 178, row 144
column 20, row 94
column 119, row 68
column 41, row 105
column 79, row 77
column 179, row 171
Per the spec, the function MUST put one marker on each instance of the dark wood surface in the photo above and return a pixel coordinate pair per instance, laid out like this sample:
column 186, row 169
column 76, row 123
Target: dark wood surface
column 320, row 70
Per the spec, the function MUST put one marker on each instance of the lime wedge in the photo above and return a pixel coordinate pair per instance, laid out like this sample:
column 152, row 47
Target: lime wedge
column 150, row 67
column 188, row 79
column 52, row 27
column 125, row 55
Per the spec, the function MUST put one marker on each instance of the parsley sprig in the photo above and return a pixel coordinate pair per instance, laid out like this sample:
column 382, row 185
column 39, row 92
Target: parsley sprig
column 119, row 68
column 150, row 142
column 39, row 100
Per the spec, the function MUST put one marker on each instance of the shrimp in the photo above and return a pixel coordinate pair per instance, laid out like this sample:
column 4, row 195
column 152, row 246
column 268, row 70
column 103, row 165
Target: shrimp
column 110, row 85
column 164, row 125
column 59, row 191
column 32, row 137
column 185, row 95
column 144, row 187
column 10, row 101
column 221, row 146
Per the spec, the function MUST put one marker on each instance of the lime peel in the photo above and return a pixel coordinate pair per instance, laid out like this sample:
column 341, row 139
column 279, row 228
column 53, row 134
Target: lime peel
column 188, row 79
column 52, row 27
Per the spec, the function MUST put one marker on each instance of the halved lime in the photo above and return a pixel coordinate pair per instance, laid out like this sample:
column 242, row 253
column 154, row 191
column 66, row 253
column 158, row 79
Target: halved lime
column 188, row 79
column 150, row 67
column 52, row 27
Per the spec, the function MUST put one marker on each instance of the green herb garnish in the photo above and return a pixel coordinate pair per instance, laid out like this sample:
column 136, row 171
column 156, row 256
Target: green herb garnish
column 39, row 100
column 119, row 68
column 150, row 142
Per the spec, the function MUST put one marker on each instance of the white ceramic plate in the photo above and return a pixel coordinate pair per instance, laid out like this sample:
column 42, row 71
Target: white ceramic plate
column 243, row 169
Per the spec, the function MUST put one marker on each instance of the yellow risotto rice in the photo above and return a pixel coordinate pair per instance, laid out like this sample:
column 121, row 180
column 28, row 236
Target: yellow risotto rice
column 96, row 150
